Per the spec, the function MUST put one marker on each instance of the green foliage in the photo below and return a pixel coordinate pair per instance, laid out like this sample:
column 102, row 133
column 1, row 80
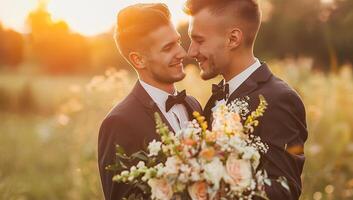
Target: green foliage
column 308, row 28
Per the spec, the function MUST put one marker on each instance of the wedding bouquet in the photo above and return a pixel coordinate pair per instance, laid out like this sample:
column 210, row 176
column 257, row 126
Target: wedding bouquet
column 201, row 164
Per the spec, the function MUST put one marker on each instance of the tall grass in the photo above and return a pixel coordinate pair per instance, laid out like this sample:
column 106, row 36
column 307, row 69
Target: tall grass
column 54, row 157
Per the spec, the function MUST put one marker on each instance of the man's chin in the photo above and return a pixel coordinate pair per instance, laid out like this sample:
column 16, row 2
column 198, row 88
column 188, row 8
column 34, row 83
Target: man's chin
column 207, row 75
column 175, row 79
column 180, row 77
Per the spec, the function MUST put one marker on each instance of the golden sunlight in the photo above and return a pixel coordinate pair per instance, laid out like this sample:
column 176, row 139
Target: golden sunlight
column 88, row 17
column 91, row 17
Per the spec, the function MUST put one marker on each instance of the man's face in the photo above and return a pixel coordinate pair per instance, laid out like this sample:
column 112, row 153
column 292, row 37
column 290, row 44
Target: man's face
column 208, row 43
column 165, row 55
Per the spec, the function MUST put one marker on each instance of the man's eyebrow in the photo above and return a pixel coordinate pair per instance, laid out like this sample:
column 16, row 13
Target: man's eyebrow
column 169, row 44
column 194, row 36
column 172, row 43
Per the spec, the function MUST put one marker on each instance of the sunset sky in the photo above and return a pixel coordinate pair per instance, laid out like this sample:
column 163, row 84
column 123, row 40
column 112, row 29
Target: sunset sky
column 88, row 17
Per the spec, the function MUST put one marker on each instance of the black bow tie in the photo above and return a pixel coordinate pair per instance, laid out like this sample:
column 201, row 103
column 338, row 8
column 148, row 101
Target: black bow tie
column 173, row 100
column 220, row 91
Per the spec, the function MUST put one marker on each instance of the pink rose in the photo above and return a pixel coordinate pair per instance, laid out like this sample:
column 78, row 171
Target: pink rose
column 161, row 189
column 239, row 172
column 198, row 191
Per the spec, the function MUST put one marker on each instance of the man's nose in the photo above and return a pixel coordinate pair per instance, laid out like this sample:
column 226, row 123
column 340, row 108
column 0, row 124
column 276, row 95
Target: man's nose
column 193, row 51
column 182, row 53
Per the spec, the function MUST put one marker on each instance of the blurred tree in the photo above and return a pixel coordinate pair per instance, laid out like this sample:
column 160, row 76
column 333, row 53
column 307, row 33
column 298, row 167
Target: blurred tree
column 323, row 31
column 55, row 47
column 105, row 53
column 340, row 25
column 293, row 29
column 11, row 47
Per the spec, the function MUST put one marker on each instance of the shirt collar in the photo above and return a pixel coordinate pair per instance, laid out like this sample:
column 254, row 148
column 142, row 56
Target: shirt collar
column 236, row 81
column 158, row 96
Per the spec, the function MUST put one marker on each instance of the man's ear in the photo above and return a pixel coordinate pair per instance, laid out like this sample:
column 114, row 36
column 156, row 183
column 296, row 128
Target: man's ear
column 235, row 38
column 137, row 60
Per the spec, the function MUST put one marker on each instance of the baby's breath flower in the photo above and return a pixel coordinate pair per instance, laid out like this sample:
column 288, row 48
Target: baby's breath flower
column 154, row 147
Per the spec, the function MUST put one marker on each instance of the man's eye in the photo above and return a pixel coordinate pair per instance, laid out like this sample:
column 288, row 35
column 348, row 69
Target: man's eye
column 168, row 48
column 199, row 41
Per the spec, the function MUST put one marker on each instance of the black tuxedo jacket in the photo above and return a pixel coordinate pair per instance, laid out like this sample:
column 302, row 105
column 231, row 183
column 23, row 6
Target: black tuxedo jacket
column 130, row 124
column 283, row 128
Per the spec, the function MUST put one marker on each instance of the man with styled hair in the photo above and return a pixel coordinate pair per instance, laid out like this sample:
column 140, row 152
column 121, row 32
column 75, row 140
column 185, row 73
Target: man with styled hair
column 223, row 34
column 147, row 39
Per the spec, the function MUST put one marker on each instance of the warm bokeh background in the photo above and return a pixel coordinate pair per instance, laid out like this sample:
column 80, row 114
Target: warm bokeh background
column 60, row 73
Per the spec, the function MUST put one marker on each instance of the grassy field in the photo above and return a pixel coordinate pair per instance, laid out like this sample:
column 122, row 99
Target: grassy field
column 49, row 128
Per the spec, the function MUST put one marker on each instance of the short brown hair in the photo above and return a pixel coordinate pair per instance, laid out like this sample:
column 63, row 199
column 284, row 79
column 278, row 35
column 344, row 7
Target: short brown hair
column 247, row 10
column 136, row 21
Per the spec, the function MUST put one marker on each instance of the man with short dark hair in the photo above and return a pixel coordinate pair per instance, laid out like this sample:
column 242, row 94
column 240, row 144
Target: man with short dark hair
column 147, row 39
column 223, row 33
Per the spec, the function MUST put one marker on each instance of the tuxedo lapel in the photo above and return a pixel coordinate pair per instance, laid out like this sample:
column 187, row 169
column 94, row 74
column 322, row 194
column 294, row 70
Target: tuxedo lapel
column 191, row 106
column 244, row 89
column 209, row 105
column 151, row 106
column 262, row 74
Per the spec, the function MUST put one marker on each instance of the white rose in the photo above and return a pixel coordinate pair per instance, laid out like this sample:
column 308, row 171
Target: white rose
column 195, row 169
column 172, row 165
column 239, row 173
column 235, row 142
column 248, row 152
column 154, row 147
column 160, row 189
column 214, row 171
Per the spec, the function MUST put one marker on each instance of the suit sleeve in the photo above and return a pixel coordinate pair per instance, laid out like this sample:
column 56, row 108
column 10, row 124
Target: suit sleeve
column 113, row 131
column 283, row 128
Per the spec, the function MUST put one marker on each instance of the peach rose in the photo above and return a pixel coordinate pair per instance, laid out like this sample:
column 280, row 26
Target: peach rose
column 236, row 117
column 211, row 136
column 160, row 189
column 208, row 153
column 198, row 191
column 239, row 172
column 189, row 142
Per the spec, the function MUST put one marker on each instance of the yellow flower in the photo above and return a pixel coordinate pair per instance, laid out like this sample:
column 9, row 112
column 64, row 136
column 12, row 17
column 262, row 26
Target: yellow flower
column 204, row 126
column 196, row 114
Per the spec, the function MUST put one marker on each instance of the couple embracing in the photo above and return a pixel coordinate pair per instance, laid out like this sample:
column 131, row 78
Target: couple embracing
column 223, row 34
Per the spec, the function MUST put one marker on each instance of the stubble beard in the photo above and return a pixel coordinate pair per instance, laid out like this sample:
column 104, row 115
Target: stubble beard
column 211, row 71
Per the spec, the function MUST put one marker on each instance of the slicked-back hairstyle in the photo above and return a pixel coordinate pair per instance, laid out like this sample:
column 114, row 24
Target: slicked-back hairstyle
column 136, row 21
column 246, row 10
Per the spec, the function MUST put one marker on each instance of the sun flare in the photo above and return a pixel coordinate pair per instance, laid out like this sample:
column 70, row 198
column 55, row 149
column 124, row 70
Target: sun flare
column 91, row 17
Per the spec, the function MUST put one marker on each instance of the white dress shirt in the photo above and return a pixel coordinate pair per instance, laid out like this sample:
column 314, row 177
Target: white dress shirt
column 237, row 80
column 177, row 116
